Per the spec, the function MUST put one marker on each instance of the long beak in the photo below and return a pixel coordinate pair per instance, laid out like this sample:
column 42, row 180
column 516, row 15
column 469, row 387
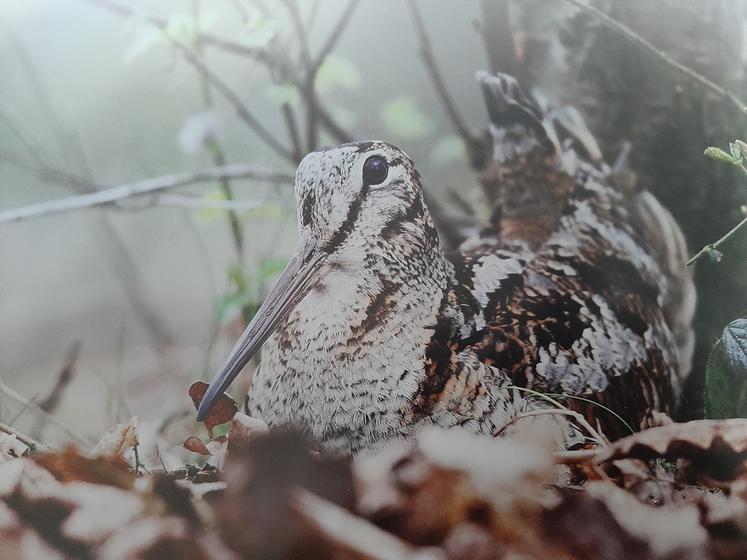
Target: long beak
column 298, row 278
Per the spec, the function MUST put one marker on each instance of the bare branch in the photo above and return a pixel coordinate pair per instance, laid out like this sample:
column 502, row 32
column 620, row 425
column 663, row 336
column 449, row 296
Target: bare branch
column 634, row 37
column 28, row 441
column 241, row 111
column 126, row 10
column 713, row 247
column 335, row 34
column 429, row 59
column 149, row 186
column 27, row 403
column 175, row 200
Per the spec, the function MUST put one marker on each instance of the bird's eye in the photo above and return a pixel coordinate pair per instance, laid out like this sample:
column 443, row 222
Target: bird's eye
column 375, row 170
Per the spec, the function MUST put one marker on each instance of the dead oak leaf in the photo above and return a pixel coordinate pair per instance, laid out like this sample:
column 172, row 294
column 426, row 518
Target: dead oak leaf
column 69, row 465
column 223, row 409
column 718, row 447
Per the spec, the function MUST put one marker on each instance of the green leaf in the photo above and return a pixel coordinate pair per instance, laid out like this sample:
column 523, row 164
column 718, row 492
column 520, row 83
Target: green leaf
column 718, row 154
column 736, row 153
column 279, row 94
column 337, row 72
column 144, row 39
column 260, row 30
column 184, row 28
column 207, row 215
column 448, row 150
column 734, row 339
column 726, row 373
column 404, row 119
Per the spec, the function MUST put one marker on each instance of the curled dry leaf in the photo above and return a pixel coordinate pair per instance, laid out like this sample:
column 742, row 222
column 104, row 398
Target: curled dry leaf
column 196, row 445
column 223, row 409
column 719, row 447
column 69, row 465
column 119, row 440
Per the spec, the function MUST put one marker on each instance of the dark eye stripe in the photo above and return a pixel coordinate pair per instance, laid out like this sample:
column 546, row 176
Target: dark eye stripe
column 344, row 230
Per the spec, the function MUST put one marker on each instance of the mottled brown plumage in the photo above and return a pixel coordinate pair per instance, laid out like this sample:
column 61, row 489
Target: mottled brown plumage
column 577, row 286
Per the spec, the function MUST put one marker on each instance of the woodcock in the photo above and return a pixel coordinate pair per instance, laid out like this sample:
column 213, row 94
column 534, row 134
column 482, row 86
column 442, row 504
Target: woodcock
column 576, row 286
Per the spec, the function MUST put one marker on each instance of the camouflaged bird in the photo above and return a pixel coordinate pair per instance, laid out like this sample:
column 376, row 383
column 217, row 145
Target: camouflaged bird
column 576, row 286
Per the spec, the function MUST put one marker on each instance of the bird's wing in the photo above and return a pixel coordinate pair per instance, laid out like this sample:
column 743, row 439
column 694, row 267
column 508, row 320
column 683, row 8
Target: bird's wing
column 578, row 285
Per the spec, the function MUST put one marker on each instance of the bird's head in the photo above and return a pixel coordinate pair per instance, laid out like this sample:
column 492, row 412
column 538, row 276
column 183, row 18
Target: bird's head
column 352, row 200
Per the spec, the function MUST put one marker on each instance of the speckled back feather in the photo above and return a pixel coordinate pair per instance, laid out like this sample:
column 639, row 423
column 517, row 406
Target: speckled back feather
column 577, row 286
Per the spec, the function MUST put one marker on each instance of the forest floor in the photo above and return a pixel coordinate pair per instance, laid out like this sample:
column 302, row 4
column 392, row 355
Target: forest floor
column 673, row 491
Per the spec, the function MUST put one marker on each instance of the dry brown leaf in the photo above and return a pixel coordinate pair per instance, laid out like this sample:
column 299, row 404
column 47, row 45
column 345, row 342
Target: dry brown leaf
column 118, row 440
column 719, row 447
column 69, row 465
column 195, row 445
column 223, row 409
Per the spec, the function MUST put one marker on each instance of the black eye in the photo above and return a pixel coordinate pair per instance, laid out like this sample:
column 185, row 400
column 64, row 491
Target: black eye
column 375, row 170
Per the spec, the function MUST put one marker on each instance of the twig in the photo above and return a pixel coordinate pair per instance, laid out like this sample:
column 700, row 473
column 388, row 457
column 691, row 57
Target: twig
column 149, row 186
column 575, row 457
column 634, row 37
column 52, row 401
column 335, row 34
column 219, row 158
column 241, row 111
column 23, row 401
column 429, row 60
column 63, row 379
column 716, row 244
column 175, row 200
column 30, row 442
column 554, row 412
column 262, row 55
column 126, row 10
column 559, row 406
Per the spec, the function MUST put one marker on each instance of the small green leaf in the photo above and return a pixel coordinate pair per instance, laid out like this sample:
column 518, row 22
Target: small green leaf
column 403, row 118
column 726, row 373
column 260, row 30
column 718, row 154
column 337, row 72
column 280, row 94
column 207, row 215
column 736, row 153
column 183, row 28
column 448, row 150
column 714, row 254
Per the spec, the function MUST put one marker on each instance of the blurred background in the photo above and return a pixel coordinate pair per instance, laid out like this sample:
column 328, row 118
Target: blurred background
column 111, row 311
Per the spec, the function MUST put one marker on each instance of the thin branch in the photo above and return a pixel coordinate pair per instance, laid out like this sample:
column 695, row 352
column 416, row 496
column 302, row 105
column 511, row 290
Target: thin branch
column 634, row 37
column 241, row 111
column 28, row 441
column 149, row 186
column 219, row 158
column 716, row 244
column 23, row 401
column 174, row 200
column 335, row 34
column 553, row 412
column 270, row 60
column 126, row 10
column 429, row 60
column 64, row 377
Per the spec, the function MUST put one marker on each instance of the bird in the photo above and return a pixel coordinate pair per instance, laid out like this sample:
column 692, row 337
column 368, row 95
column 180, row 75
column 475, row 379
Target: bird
column 575, row 287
